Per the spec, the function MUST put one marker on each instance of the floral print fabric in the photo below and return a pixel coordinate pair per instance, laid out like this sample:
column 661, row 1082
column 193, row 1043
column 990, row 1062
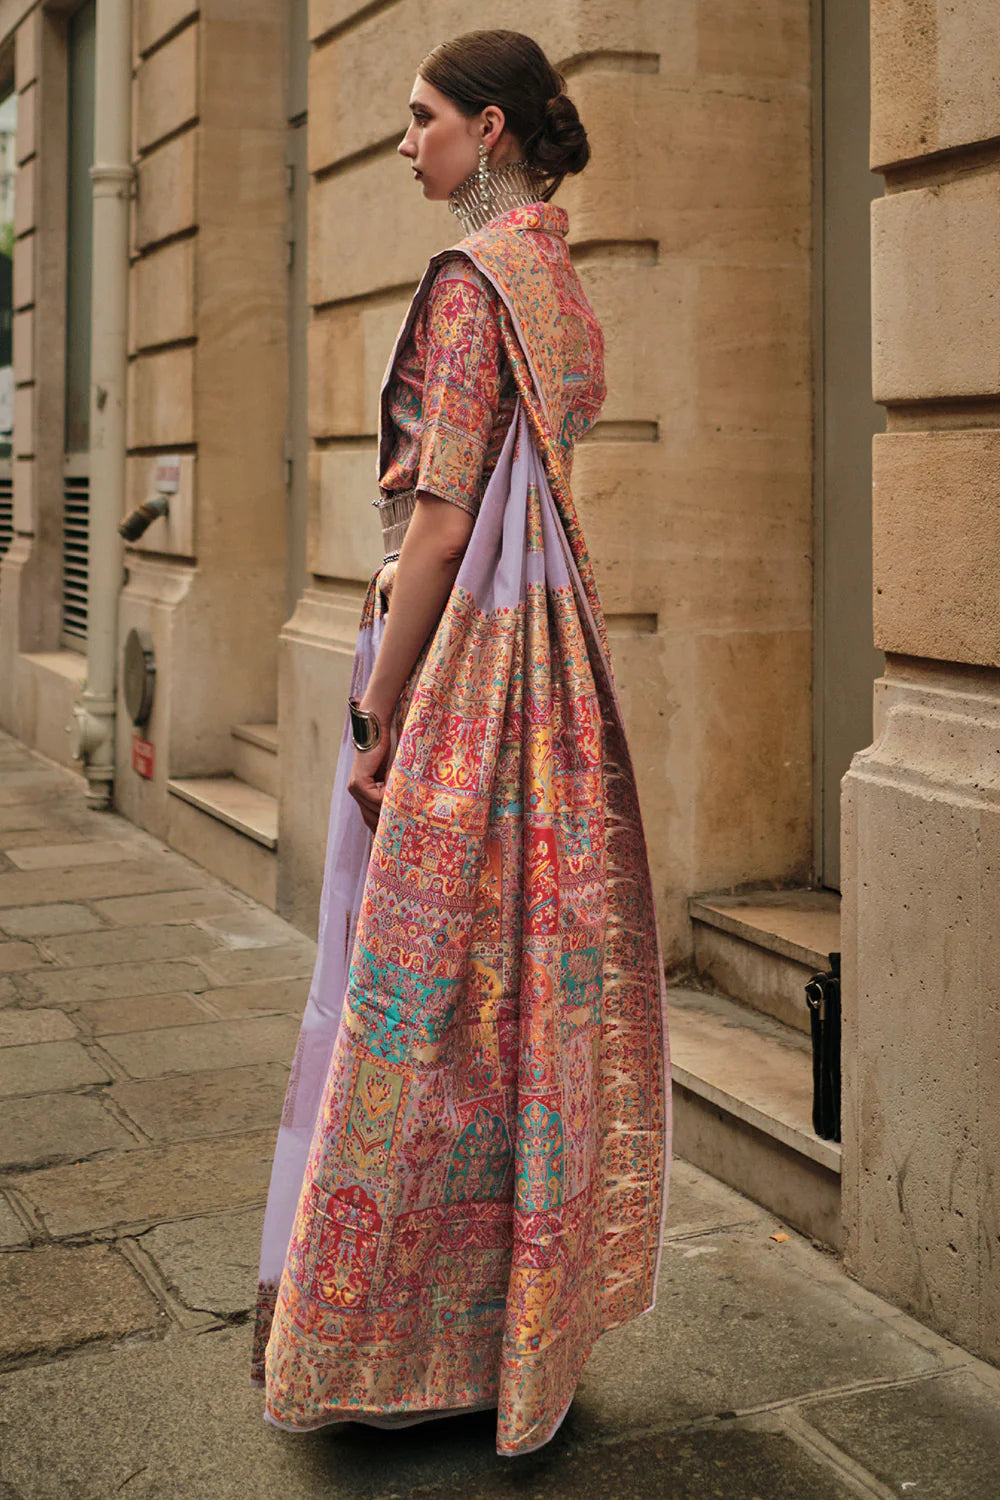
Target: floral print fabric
column 480, row 1193
column 451, row 396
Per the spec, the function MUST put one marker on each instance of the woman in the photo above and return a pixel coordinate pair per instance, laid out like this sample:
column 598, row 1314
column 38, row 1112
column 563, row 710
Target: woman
column 470, row 1174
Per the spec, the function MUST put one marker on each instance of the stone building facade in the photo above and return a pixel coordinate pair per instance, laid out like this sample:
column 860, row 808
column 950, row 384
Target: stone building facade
column 922, row 806
column 697, row 260
column 721, row 233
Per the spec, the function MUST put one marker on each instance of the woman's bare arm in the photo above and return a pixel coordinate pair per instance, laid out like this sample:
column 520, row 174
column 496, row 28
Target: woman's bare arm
column 429, row 559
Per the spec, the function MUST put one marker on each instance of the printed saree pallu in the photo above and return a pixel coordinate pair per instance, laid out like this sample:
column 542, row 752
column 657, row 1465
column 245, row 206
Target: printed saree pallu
column 470, row 1174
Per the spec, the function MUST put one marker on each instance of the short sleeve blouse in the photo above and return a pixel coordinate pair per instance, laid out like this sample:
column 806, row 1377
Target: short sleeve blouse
column 452, row 394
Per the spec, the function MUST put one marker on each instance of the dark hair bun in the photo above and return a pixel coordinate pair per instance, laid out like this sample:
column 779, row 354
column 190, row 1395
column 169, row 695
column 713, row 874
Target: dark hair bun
column 561, row 144
column 509, row 69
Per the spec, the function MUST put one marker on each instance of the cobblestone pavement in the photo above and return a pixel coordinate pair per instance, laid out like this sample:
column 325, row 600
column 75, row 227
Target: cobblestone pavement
column 147, row 1017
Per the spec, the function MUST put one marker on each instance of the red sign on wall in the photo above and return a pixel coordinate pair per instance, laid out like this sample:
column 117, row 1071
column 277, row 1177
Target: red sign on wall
column 142, row 756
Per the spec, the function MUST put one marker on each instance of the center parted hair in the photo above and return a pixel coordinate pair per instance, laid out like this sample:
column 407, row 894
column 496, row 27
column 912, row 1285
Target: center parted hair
column 510, row 70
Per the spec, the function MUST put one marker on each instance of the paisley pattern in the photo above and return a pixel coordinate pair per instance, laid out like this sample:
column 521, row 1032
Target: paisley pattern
column 552, row 341
column 371, row 1119
column 482, row 1191
column 480, row 1163
column 450, row 398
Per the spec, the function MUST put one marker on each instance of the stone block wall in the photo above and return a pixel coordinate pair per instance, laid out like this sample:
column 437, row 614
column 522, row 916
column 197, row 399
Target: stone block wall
column 38, row 682
column 922, row 806
column 691, row 231
column 206, row 381
column 27, row 83
column 207, row 378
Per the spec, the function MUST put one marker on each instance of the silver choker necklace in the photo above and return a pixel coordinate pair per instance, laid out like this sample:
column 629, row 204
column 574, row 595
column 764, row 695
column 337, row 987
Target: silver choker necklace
column 477, row 202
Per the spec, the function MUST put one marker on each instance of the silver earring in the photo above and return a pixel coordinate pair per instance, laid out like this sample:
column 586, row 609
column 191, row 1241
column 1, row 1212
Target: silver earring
column 484, row 176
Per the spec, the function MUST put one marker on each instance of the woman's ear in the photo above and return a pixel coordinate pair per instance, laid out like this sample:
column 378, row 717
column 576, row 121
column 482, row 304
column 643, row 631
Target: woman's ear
column 492, row 125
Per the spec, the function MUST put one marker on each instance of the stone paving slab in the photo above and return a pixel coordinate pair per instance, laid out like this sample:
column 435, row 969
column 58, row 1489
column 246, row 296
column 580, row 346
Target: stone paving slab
column 139, row 1013
column 187, row 1105
column 450, row 1457
column 44, row 1067
column 23, row 838
column 19, row 782
column 46, row 921
column 72, row 987
column 20, row 1026
column 717, row 1463
column 743, row 1324
column 287, row 962
column 24, row 813
column 30, row 888
column 66, row 856
column 218, row 1044
column 169, row 906
column 287, row 995
column 12, row 1231
column 129, row 944
column 936, row 1439
column 54, row 1297
column 737, row 1324
column 57, row 1127
column 16, row 955
column 36, row 793
column 176, row 1419
column 152, row 1184
column 698, row 1203
column 249, row 929
column 211, row 1261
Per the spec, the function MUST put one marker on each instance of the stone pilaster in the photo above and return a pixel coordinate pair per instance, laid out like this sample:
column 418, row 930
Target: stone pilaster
column 922, row 806
column 207, row 381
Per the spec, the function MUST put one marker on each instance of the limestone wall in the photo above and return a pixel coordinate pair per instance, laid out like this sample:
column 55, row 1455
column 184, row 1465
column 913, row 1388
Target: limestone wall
column 207, row 378
column 206, row 381
column 922, row 807
column 38, row 682
column 691, row 231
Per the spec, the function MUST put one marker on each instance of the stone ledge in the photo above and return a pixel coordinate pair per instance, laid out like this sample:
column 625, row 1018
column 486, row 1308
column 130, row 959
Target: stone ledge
column 255, row 756
column 264, row 736
column 69, row 664
column 233, row 802
column 800, row 925
column 754, row 1069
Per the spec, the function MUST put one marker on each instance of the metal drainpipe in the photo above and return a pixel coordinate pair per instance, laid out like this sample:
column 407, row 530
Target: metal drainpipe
column 112, row 176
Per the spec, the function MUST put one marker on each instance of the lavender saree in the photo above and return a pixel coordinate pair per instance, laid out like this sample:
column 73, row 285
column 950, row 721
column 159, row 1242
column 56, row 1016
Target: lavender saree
column 470, row 1173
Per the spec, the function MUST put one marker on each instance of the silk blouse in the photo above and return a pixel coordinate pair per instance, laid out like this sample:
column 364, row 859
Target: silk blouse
column 452, row 394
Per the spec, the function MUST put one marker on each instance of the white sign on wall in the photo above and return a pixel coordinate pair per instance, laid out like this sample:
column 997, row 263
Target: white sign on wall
column 6, row 401
column 167, row 475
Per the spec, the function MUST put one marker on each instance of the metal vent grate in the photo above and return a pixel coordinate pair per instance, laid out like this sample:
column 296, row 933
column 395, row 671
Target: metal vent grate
column 6, row 510
column 76, row 527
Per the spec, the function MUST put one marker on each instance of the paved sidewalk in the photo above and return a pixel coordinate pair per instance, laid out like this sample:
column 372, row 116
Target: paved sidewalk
column 148, row 1014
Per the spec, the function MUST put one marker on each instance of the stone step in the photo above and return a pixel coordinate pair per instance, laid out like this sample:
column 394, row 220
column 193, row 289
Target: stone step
column 229, row 827
column 762, row 946
column 243, row 807
column 742, row 1090
column 255, row 756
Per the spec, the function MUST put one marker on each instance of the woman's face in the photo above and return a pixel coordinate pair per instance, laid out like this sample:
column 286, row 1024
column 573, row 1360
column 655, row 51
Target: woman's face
column 442, row 144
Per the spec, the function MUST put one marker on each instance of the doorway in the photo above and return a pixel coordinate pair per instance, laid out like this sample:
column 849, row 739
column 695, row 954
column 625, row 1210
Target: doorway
column 297, row 427
column 81, row 43
column 846, row 661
